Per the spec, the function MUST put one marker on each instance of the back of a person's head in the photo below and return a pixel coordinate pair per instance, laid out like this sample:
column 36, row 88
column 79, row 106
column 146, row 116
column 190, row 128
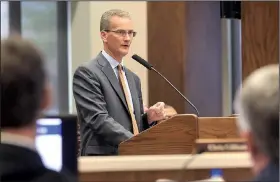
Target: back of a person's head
column 257, row 104
column 23, row 82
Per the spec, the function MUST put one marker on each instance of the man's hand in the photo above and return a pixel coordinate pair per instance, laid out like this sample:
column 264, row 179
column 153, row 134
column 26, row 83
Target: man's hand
column 156, row 112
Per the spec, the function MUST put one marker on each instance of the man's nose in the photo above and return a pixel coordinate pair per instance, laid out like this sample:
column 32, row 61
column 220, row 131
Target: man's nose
column 127, row 37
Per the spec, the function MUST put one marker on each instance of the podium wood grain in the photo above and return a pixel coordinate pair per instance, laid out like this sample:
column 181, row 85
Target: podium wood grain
column 217, row 127
column 234, row 174
column 174, row 136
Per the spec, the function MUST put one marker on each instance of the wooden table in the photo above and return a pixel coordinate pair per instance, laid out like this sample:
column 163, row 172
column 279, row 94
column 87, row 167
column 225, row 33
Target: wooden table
column 236, row 167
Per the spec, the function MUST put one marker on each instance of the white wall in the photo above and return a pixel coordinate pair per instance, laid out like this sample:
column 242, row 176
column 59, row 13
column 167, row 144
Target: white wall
column 86, row 42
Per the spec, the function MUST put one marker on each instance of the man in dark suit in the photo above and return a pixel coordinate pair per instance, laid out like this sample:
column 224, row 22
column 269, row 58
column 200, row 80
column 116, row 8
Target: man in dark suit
column 24, row 94
column 108, row 95
column 257, row 104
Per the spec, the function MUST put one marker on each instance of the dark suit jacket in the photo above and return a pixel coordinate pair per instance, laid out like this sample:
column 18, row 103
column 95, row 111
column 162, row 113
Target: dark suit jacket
column 101, row 107
column 269, row 174
column 18, row 164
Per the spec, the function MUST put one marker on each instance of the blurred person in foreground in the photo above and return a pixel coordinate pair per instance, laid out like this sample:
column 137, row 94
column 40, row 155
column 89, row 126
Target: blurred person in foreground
column 108, row 95
column 24, row 95
column 257, row 104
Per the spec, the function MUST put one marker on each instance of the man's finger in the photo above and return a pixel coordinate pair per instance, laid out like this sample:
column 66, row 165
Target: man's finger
column 159, row 104
column 152, row 107
column 157, row 110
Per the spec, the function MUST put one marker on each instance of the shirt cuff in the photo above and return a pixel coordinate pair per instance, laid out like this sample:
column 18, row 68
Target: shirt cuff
column 153, row 123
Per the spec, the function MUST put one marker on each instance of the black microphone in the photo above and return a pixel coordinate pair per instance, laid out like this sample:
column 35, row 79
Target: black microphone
column 186, row 164
column 142, row 61
column 150, row 67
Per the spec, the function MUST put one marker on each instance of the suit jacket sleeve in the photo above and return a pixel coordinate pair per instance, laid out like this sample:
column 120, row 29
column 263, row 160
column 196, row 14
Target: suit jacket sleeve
column 143, row 115
column 91, row 106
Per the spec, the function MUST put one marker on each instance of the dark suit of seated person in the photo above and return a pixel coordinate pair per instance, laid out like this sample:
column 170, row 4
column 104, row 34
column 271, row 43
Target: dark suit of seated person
column 24, row 95
column 257, row 104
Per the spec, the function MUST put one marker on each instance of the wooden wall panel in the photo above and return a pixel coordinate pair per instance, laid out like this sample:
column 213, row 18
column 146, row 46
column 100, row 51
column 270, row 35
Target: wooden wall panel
column 260, row 35
column 166, row 51
column 184, row 43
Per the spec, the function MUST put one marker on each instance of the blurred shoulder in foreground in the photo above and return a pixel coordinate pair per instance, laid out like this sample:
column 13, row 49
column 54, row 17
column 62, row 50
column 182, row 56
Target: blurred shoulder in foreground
column 25, row 94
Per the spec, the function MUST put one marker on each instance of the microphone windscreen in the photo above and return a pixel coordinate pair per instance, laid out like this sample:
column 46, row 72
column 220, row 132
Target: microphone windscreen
column 142, row 61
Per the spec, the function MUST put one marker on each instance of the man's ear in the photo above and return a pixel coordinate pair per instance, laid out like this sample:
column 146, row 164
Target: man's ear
column 103, row 36
column 252, row 148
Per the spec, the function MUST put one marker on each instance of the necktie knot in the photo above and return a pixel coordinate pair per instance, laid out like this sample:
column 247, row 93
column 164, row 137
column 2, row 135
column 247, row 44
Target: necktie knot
column 120, row 67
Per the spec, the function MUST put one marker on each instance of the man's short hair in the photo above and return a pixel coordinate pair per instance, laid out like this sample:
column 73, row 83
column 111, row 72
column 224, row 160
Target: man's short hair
column 106, row 17
column 257, row 102
column 22, row 82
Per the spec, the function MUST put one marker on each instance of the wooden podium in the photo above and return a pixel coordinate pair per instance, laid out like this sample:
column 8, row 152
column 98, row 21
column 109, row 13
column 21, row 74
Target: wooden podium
column 175, row 135
column 181, row 134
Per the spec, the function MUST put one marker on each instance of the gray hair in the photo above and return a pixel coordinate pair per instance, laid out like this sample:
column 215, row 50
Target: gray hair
column 106, row 17
column 257, row 102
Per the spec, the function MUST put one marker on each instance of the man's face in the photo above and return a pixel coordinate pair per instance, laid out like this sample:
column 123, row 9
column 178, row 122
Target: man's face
column 119, row 36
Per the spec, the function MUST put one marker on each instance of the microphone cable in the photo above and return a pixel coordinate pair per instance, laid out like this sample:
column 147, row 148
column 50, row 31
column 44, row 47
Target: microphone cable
column 186, row 165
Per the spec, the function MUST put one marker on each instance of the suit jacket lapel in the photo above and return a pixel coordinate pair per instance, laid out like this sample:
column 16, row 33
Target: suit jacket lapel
column 133, row 91
column 109, row 72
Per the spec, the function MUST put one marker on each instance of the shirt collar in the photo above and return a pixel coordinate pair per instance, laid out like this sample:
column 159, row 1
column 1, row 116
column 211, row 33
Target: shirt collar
column 18, row 140
column 114, row 63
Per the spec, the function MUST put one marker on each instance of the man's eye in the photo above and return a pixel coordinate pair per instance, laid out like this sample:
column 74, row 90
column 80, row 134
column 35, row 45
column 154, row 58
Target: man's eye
column 121, row 31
